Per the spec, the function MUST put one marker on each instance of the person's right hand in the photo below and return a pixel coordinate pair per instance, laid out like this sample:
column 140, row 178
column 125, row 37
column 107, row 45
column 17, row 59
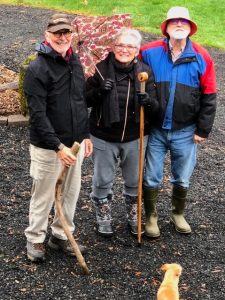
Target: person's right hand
column 66, row 156
column 107, row 85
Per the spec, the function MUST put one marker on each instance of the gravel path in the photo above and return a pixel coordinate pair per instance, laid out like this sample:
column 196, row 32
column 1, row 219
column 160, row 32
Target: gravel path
column 119, row 269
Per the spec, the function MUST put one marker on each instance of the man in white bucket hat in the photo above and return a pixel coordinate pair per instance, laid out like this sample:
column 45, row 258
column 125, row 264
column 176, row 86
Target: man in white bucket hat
column 186, row 90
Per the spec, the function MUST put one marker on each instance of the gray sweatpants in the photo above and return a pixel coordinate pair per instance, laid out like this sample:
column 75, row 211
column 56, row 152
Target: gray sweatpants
column 106, row 156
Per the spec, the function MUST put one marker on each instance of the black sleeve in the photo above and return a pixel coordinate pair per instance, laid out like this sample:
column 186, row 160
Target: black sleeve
column 36, row 93
column 93, row 91
column 206, row 115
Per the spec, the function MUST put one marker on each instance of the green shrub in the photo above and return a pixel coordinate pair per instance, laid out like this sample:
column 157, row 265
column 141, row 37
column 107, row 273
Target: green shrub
column 22, row 97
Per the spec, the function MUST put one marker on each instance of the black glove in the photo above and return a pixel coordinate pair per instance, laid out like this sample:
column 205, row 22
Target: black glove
column 143, row 98
column 107, row 85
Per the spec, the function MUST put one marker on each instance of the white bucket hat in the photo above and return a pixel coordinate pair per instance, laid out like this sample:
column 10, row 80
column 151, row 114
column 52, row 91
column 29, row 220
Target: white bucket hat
column 178, row 12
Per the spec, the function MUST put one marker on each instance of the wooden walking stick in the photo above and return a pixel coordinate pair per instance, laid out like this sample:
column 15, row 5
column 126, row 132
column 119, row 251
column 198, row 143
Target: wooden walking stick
column 58, row 192
column 142, row 77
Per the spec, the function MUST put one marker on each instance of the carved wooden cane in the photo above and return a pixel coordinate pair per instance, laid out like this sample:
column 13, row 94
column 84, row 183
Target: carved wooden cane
column 58, row 192
column 142, row 77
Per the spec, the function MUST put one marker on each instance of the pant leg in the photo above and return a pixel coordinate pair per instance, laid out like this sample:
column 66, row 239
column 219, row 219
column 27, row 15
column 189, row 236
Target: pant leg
column 183, row 156
column 155, row 156
column 44, row 169
column 129, row 156
column 105, row 157
column 70, row 195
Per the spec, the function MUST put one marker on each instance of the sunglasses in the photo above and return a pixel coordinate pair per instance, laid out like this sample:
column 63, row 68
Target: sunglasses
column 176, row 21
column 66, row 33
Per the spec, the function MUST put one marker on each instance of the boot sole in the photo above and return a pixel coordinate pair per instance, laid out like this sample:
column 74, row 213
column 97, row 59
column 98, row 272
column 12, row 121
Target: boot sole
column 35, row 259
column 104, row 234
column 152, row 236
column 177, row 229
column 135, row 233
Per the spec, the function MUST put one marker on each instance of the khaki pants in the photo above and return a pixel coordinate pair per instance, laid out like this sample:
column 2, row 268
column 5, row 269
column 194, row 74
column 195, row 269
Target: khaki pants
column 45, row 169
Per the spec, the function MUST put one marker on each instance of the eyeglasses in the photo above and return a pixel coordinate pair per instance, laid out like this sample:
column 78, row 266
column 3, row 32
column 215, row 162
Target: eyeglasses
column 176, row 21
column 58, row 34
column 127, row 47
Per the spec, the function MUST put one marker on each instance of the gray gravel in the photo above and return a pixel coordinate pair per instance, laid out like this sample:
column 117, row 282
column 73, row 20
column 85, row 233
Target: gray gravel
column 119, row 269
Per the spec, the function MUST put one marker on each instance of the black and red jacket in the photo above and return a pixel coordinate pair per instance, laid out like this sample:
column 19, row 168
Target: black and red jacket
column 188, row 85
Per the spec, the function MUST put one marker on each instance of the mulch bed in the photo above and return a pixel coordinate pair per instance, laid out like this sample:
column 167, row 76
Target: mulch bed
column 119, row 269
column 9, row 99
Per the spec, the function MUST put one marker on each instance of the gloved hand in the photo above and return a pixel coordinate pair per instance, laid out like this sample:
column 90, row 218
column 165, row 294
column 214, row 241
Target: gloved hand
column 107, row 85
column 143, row 98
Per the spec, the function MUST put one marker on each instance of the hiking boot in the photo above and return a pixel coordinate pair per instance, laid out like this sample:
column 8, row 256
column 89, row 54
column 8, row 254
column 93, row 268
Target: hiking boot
column 178, row 205
column 103, row 215
column 131, row 207
column 35, row 252
column 64, row 245
column 133, row 228
column 150, row 201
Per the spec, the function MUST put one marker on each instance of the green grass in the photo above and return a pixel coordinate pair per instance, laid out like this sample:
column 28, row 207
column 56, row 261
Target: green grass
column 147, row 15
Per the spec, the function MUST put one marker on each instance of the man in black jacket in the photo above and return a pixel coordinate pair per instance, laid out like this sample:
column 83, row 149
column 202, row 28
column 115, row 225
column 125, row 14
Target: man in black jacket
column 54, row 85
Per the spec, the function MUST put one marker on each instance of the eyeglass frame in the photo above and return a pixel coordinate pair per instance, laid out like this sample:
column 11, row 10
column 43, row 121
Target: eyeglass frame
column 177, row 20
column 66, row 33
column 127, row 47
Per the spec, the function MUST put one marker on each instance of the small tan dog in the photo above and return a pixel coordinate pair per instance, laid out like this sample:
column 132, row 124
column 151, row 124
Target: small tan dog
column 168, row 289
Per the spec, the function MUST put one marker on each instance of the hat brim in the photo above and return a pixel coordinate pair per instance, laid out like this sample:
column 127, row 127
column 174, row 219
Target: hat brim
column 60, row 27
column 163, row 26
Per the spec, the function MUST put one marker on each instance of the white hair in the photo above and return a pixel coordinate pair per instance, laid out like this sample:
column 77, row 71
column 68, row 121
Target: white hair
column 129, row 32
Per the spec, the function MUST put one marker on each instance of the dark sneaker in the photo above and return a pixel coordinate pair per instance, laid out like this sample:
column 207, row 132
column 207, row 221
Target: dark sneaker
column 35, row 252
column 64, row 245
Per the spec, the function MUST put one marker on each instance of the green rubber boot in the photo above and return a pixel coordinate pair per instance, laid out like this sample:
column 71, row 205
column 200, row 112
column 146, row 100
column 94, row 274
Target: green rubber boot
column 178, row 204
column 150, row 199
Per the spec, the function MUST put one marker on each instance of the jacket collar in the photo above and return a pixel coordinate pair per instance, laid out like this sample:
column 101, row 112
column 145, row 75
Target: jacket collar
column 46, row 48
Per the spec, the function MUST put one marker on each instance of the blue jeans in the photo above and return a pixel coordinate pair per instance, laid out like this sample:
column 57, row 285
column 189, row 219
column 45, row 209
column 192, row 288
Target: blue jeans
column 183, row 154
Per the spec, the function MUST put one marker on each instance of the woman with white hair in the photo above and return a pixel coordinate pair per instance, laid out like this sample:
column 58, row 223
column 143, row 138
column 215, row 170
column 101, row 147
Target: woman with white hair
column 114, row 94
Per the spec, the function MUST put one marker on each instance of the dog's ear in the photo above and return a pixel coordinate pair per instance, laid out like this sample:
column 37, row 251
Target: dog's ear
column 164, row 267
column 178, row 270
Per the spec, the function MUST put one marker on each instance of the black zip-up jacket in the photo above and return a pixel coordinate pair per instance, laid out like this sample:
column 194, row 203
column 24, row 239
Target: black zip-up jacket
column 115, row 116
column 55, row 91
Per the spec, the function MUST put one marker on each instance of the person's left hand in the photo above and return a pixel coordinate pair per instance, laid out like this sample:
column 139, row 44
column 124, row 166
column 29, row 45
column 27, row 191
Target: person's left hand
column 88, row 147
column 143, row 98
column 198, row 139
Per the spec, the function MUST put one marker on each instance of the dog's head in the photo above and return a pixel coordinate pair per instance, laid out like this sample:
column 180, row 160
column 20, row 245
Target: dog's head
column 176, row 268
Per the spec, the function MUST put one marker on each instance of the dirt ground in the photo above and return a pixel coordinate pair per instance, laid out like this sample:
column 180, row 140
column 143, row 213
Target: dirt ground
column 119, row 269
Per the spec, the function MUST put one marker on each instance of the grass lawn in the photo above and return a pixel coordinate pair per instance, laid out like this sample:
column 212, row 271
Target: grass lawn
column 147, row 15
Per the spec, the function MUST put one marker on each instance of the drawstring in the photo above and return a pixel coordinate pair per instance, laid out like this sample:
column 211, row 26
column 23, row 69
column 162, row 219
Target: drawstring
column 125, row 121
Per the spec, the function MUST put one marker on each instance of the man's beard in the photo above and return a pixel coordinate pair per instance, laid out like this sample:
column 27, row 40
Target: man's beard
column 179, row 35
